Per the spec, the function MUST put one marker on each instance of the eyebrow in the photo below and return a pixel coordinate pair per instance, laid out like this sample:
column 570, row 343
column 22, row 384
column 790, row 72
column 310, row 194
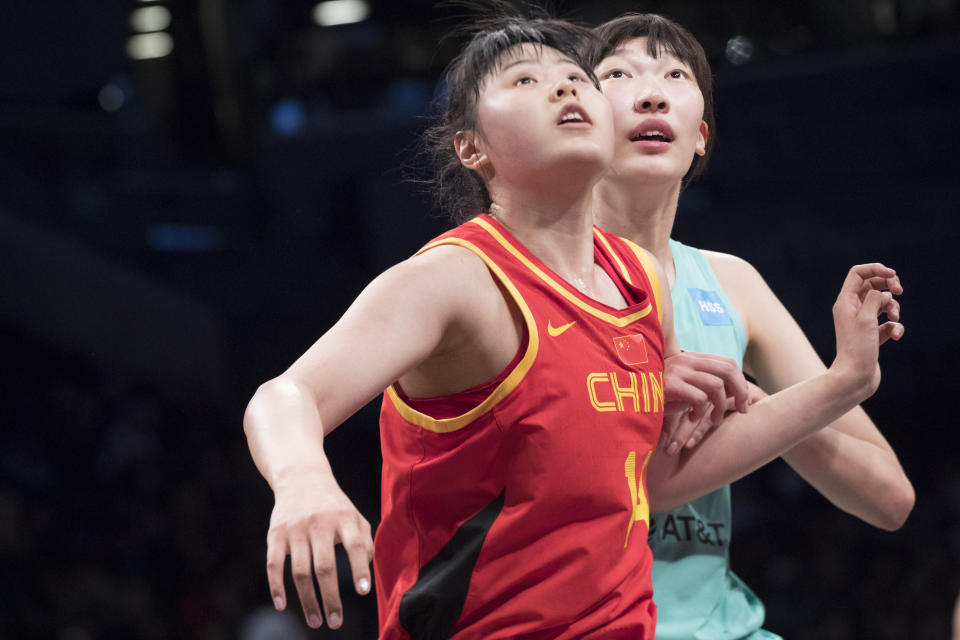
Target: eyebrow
column 625, row 53
column 534, row 61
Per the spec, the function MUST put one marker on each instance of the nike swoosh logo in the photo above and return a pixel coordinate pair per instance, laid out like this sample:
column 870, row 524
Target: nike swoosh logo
column 555, row 331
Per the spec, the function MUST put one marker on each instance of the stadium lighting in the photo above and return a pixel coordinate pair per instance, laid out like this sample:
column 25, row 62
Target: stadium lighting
column 147, row 19
column 333, row 12
column 144, row 46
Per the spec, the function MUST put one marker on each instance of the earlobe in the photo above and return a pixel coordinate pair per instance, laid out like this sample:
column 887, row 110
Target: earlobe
column 466, row 148
column 702, row 137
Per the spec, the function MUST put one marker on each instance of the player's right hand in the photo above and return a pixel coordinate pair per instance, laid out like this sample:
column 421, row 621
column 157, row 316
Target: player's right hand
column 867, row 293
column 311, row 516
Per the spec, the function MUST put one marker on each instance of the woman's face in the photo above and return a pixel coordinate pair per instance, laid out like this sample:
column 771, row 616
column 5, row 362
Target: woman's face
column 541, row 121
column 657, row 113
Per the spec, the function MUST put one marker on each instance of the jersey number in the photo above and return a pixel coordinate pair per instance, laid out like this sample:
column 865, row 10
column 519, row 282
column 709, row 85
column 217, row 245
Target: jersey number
column 638, row 496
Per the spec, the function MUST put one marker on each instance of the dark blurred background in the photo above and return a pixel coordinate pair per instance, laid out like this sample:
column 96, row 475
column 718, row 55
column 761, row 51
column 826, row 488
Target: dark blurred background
column 191, row 192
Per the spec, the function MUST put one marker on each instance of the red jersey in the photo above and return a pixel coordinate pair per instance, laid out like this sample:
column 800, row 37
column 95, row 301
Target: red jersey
column 527, row 516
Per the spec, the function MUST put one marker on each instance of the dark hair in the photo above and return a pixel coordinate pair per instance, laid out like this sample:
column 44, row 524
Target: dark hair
column 662, row 34
column 458, row 191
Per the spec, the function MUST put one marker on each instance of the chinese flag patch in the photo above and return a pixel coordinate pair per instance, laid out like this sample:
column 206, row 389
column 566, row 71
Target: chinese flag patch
column 631, row 349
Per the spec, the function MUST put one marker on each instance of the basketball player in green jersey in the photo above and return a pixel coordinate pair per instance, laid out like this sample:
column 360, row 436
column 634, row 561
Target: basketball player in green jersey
column 658, row 81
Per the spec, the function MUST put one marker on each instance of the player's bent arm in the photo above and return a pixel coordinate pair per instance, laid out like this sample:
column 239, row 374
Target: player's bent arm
column 773, row 425
column 414, row 311
column 849, row 462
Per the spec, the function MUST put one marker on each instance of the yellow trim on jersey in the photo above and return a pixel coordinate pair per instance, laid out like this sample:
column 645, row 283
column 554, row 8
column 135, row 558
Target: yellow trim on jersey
column 603, row 315
column 616, row 258
column 647, row 263
column 449, row 425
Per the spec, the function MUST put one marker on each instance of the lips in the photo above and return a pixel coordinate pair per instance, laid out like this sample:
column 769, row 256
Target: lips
column 573, row 113
column 653, row 130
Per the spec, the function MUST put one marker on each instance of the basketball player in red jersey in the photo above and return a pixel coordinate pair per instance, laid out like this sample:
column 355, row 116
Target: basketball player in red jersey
column 523, row 362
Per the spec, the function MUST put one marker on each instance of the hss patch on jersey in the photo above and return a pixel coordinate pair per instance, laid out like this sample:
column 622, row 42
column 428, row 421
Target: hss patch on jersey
column 713, row 313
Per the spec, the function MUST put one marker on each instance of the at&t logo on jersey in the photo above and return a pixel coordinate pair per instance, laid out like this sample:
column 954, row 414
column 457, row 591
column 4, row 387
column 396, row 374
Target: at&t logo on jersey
column 713, row 313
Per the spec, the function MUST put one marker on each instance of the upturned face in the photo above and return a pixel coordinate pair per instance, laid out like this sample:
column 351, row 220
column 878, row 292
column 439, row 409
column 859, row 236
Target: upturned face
column 657, row 113
column 540, row 120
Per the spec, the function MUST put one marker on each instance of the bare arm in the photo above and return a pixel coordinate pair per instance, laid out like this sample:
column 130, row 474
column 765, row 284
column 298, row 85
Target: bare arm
column 849, row 461
column 415, row 311
column 775, row 424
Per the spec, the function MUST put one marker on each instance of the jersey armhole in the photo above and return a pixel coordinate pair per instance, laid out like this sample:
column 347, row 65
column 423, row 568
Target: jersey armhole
column 647, row 263
column 512, row 379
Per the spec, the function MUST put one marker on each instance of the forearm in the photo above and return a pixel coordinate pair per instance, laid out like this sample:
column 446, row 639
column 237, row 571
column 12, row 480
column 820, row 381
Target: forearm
column 745, row 442
column 285, row 432
column 863, row 478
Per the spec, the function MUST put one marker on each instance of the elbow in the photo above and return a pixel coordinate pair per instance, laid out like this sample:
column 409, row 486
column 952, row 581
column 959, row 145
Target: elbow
column 250, row 413
column 899, row 506
column 266, row 395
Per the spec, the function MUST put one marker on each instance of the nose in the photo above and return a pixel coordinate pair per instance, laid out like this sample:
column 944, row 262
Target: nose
column 651, row 101
column 564, row 88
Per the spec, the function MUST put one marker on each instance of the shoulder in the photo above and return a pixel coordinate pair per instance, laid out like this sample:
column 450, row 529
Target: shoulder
column 729, row 265
column 446, row 273
column 750, row 294
column 441, row 286
column 445, row 261
column 739, row 278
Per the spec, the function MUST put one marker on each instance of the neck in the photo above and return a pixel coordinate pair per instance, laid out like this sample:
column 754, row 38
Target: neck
column 643, row 213
column 555, row 223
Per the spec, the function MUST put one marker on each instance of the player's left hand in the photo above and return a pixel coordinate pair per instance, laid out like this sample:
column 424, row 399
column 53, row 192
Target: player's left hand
column 698, row 390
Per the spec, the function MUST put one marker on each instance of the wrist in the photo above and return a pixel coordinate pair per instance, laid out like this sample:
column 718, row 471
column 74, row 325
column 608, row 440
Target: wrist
column 850, row 383
column 301, row 474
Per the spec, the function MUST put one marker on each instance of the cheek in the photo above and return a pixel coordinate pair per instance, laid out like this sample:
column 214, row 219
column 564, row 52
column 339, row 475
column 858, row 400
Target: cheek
column 693, row 108
column 506, row 130
column 605, row 123
column 621, row 106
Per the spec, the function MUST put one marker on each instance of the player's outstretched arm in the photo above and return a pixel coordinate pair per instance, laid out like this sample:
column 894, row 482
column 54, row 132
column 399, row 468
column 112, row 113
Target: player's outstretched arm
column 773, row 425
column 408, row 314
column 849, row 461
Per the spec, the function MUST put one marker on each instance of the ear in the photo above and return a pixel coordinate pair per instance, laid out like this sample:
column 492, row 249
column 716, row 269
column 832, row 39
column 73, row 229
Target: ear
column 471, row 156
column 704, row 135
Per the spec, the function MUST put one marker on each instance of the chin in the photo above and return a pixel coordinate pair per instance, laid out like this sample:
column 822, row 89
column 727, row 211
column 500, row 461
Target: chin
column 585, row 161
column 650, row 170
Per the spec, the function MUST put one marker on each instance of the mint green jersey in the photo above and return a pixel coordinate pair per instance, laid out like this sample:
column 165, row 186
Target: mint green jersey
column 698, row 597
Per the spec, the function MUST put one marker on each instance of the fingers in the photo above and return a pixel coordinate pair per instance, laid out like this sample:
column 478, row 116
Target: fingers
column 891, row 308
column 325, row 568
column 861, row 273
column 688, row 433
column 703, row 427
column 756, row 393
column 882, row 284
column 301, row 558
column 684, row 397
column 729, row 376
column 890, row 330
column 714, row 389
column 276, row 557
column 884, row 303
column 694, row 379
column 874, row 303
column 674, row 427
column 313, row 554
column 358, row 543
